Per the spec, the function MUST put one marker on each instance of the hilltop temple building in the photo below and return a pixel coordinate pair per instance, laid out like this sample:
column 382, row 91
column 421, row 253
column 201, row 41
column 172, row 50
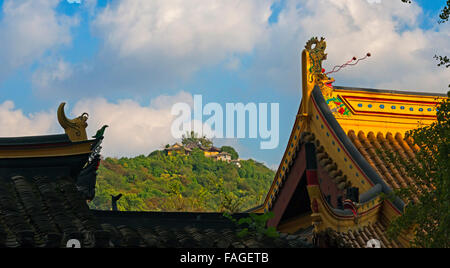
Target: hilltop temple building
column 210, row 152
column 334, row 171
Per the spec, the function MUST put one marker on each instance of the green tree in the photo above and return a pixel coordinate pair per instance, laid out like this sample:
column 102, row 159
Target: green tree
column 428, row 201
column 189, row 138
column 445, row 14
column 192, row 138
column 204, row 141
column 254, row 225
column 161, row 182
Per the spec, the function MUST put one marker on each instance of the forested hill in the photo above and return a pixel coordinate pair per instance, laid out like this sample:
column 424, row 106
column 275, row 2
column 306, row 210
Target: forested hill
column 161, row 182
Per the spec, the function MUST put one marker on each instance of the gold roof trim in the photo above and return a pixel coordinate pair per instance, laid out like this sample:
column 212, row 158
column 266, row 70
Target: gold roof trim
column 74, row 128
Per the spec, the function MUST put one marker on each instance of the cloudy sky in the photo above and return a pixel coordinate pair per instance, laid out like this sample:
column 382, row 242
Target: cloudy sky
column 126, row 62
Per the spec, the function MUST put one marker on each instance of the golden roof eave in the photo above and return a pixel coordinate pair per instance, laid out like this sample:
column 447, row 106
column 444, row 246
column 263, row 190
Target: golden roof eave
column 52, row 150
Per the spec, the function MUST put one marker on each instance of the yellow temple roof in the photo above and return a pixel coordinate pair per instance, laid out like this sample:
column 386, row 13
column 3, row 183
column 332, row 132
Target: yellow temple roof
column 350, row 132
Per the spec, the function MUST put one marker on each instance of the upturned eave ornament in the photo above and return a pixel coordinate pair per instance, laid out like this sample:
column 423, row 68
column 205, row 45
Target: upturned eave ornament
column 316, row 74
column 74, row 128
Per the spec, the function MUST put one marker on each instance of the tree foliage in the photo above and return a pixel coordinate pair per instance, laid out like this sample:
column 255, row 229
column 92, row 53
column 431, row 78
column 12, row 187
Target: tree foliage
column 428, row 209
column 254, row 225
column 192, row 138
column 160, row 182
column 231, row 151
column 445, row 12
column 428, row 201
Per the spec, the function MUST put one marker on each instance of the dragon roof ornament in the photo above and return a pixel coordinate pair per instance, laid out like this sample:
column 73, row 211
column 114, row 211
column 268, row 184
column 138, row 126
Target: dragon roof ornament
column 316, row 74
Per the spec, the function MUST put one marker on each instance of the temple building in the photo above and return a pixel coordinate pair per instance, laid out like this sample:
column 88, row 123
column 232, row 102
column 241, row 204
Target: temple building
column 210, row 152
column 177, row 148
column 334, row 169
column 222, row 156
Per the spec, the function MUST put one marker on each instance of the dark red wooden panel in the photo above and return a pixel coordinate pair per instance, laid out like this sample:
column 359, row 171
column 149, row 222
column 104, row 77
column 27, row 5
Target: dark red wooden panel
column 284, row 196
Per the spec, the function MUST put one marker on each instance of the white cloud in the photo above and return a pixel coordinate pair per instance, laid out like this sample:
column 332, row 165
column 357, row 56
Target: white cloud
column 196, row 31
column 28, row 29
column 233, row 64
column 51, row 72
column 166, row 101
column 154, row 45
column 149, row 45
column 15, row 123
column 402, row 53
column 133, row 129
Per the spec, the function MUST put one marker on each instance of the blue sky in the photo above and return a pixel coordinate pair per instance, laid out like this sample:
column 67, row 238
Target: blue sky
column 126, row 62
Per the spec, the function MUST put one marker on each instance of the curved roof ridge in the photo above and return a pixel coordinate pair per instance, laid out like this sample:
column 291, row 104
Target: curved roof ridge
column 29, row 140
column 371, row 194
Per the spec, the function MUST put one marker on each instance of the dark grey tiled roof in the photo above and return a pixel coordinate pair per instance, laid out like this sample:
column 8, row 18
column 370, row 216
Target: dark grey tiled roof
column 185, row 230
column 49, row 211
column 359, row 238
column 44, row 212
column 34, row 140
